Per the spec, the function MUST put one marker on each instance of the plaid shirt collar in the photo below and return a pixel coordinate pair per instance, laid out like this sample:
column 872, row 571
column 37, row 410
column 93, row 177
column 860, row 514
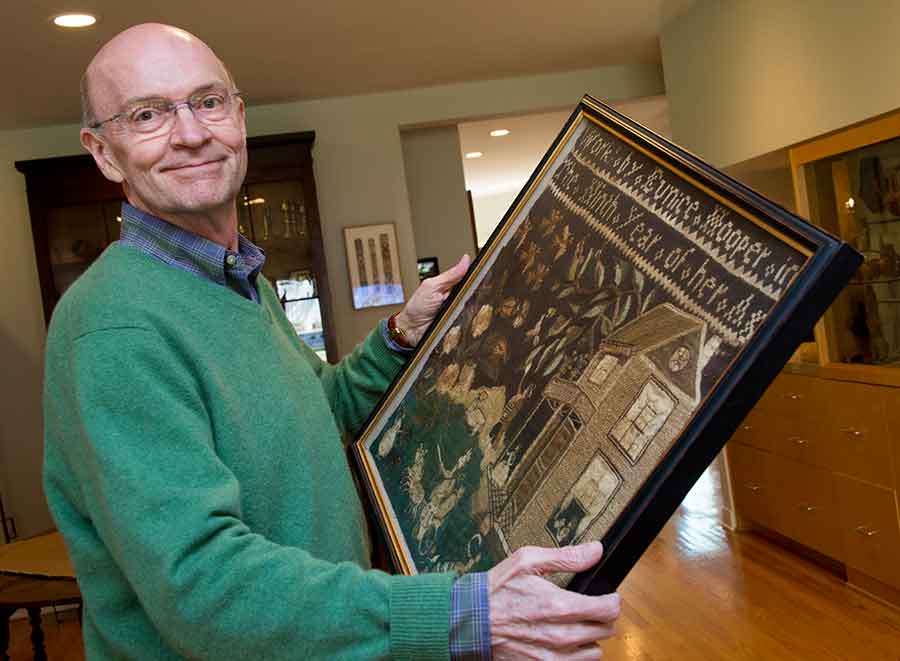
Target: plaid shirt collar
column 192, row 253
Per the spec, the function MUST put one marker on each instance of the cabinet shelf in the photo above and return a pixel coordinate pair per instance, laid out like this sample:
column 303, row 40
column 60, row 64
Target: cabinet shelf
column 878, row 281
column 884, row 221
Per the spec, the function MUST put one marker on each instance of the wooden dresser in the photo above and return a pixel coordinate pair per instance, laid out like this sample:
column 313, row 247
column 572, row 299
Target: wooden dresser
column 818, row 461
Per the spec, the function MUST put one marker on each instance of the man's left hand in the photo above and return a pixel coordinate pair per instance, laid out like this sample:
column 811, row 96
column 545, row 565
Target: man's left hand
column 415, row 318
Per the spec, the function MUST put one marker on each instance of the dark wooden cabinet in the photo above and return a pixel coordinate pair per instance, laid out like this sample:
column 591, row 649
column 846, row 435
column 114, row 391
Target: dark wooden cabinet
column 75, row 215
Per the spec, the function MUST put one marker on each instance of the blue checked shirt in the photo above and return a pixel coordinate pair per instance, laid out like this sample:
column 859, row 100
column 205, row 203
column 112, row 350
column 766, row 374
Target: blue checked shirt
column 470, row 627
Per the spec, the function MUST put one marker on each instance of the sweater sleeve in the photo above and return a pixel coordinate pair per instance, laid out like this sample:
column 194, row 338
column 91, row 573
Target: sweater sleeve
column 168, row 511
column 355, row 385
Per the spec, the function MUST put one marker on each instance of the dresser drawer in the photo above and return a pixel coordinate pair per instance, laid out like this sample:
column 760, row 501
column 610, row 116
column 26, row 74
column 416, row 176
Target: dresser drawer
column 861, row 448
column 799, row 439
column 752, row 483
column 892, row 408
column 807, row 506
column 793, row 395
column 755, row 431
column 869, row 529
column 849, row 405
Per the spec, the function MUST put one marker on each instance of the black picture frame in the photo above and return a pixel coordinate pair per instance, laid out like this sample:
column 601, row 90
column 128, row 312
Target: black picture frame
column 653, row 220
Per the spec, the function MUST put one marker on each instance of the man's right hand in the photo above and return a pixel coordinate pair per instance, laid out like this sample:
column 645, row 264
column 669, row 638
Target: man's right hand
column 531, row 618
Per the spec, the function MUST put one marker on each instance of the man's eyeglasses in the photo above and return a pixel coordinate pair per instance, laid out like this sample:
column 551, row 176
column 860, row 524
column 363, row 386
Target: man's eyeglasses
column 157, row 115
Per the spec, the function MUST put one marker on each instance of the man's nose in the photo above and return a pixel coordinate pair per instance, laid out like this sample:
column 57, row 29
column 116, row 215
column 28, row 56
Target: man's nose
column 187, row 130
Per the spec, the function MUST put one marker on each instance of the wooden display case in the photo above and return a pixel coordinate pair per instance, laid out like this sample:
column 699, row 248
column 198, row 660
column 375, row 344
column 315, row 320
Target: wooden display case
column 75, row 215
column 818, row 459
column 848, row 182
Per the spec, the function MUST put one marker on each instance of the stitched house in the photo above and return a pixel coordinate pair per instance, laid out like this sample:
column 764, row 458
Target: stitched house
column 606, row 430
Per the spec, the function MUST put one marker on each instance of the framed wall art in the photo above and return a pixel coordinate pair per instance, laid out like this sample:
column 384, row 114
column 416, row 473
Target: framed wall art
column 374, row 265
column 629, row 310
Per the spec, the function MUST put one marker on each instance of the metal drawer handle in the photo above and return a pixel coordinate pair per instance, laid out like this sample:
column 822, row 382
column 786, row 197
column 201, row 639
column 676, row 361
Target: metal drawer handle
column 797, row 440
column 852, row 431
column 810, row 508
column 754, row 488
column 746, row 427
column 866, row 532
column 794, row 396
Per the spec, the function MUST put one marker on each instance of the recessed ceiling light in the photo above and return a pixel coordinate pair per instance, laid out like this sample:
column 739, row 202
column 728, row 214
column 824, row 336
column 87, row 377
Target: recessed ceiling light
column 74, row 20
column 474, row 154
column 499, row 133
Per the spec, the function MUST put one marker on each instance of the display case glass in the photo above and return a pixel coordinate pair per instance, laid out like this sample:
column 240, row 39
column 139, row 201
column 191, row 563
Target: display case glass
column 851, row 188
column 273, row 215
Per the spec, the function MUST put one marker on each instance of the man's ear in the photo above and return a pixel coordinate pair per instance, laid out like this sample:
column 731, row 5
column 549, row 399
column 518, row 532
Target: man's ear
column 102, row 154
column 242, row 117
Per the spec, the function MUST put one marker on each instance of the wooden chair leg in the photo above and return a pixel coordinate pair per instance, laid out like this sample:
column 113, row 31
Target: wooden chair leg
column 37, row 634
column 5, row 614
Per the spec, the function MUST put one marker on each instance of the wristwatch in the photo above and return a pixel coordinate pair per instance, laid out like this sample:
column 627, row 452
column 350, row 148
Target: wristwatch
column 397, row 334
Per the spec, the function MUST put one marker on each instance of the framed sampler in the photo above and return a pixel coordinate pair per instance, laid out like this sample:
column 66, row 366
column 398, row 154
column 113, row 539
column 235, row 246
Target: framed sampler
column 625, row 315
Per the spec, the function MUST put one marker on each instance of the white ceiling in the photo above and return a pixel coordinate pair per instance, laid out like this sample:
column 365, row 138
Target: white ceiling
column 508, row 161
column 283, row 50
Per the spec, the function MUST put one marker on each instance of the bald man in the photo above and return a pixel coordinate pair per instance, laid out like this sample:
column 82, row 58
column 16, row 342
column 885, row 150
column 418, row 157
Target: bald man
column 193, row 457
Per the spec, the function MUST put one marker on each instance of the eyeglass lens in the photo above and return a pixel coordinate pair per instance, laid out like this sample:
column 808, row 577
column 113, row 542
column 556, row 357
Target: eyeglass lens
column 156, row 114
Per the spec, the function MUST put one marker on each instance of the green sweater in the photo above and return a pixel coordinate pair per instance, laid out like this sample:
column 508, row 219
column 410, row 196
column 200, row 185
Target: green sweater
column 194, row 465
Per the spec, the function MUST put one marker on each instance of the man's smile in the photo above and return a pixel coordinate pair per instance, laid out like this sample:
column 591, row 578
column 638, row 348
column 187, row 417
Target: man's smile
column 200, row 166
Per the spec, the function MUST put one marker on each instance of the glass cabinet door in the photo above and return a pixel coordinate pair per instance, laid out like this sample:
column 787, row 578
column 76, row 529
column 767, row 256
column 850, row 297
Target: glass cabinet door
column 856, row 195
column 274, row 216
column 76, row 235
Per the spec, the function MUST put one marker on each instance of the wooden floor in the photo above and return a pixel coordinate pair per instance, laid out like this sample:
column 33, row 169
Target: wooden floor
column 700, row 592
column 703, row 592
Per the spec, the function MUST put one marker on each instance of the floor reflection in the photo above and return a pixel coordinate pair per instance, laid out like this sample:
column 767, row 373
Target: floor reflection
column 698, row 525
column 706, row 494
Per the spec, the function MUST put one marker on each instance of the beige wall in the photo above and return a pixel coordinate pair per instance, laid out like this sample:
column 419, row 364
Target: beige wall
column 489, row 211
column 747, row 77
column 437, row 194
column 359, row 161
column 775, row 184
column 360, row 179
column 22, row 331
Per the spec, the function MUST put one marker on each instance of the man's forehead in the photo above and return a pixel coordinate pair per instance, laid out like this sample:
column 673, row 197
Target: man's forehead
column 117, row 88
column 151, row 61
